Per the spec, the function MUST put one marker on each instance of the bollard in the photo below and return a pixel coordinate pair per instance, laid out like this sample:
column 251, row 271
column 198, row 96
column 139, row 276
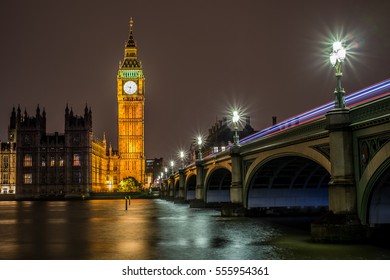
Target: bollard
column 129, row 199
column 125, row 203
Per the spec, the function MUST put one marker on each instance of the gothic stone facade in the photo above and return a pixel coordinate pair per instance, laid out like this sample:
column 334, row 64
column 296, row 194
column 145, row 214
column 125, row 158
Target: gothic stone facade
column 71, row 164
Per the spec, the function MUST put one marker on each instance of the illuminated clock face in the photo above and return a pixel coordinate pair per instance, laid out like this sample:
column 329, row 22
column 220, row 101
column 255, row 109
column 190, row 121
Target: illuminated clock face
column 130, row 87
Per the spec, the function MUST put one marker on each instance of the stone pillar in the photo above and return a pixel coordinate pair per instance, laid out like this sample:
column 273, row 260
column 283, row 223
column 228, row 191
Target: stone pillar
column 235, row 208
column 342, row 189
column 341, row 223
column 236, row 192
column 171, row 186
column 199, row 200
column 165, row 188
column 182, row 180
column 199, row 192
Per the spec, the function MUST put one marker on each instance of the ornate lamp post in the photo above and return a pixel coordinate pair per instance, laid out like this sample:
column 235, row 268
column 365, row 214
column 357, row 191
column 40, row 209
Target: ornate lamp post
column 181, row 155
column 200, row 142
column 337, row 57
column 172, row 165
column 235, row 119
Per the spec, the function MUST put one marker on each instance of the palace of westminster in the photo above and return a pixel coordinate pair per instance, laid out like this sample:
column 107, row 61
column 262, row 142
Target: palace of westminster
column 36, row 164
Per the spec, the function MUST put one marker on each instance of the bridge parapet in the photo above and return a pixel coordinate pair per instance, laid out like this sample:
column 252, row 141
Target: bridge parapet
column 342, row 143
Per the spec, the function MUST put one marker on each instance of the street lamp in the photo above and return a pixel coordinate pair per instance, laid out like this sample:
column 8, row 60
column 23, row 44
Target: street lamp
column 337, row 57
column 235, row 119
column 172, row 165
column 166, row 172
column 181, row 155
column 200, row 141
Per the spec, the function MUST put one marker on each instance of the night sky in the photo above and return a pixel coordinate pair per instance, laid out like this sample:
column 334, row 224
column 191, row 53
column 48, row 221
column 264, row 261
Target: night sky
column 199, row 58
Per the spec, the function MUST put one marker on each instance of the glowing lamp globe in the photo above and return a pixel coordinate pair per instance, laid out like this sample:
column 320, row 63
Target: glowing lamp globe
column 338, row 54
column 199, row 140
column 236, row 117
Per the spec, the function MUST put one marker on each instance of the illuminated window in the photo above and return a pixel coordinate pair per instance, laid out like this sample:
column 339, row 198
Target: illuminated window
column 5, row 162
column 215, row 149
column 43, row 161
column 5, row 178
column 52, row 161
column 27, row 178
column 61, row 161
column 27, row 162
column 76, row 160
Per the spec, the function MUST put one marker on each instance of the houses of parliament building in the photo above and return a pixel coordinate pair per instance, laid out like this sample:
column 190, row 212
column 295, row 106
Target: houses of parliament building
column 35, row 164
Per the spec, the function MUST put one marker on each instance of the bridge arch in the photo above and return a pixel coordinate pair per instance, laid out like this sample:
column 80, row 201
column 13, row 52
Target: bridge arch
column 217, row 185
column 176, row 187
column 190, row 186
column 288, row 180
column 374, row 188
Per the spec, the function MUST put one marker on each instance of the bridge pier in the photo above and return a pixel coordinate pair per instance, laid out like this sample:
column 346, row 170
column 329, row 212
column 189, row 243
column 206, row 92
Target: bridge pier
column 235, row 208
column 181, row 195
column 199, row 201
column 342, row 222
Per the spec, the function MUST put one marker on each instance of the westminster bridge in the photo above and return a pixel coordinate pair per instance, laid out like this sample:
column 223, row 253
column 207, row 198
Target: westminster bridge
column 326, row 158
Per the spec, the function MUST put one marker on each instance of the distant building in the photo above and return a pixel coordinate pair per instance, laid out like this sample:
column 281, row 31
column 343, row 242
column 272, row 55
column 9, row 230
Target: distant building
column 154, row 167
column 8, row 166
column 219, row 137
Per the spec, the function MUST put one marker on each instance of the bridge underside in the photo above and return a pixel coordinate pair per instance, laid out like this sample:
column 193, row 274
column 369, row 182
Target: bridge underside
column 379, row 207
column 176, row 189
column 218, row 187
column 190, row 188
column 290, row 181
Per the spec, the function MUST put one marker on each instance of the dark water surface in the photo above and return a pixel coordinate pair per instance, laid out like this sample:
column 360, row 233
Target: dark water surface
column 156, row 229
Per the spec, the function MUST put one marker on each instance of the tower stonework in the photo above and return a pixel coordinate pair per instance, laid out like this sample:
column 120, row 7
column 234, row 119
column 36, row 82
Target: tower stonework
column 131, row 100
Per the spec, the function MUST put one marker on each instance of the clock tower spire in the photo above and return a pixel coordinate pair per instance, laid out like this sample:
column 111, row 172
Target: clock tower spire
column 131, row 99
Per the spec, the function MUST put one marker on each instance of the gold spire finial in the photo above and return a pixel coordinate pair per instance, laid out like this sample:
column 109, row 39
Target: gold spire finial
column 131, row 24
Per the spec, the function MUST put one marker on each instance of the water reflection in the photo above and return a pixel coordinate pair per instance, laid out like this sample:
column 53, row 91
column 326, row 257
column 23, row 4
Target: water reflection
column 155, row 229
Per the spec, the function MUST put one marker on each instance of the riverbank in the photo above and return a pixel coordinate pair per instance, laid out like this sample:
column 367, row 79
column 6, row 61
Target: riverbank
column 7, row 197
column 92, row 196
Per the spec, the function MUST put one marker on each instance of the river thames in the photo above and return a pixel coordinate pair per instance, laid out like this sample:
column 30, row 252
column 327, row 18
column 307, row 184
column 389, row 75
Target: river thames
column 158, row 229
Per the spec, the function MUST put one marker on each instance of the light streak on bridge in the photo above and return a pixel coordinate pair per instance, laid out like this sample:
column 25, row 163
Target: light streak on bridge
column 372, row 92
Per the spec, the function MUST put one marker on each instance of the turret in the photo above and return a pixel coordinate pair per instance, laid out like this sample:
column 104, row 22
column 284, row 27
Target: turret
column 75, row 122
column 12, row 121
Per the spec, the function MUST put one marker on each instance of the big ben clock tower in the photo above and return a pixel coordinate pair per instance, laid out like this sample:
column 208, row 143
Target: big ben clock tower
column 131, row 99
